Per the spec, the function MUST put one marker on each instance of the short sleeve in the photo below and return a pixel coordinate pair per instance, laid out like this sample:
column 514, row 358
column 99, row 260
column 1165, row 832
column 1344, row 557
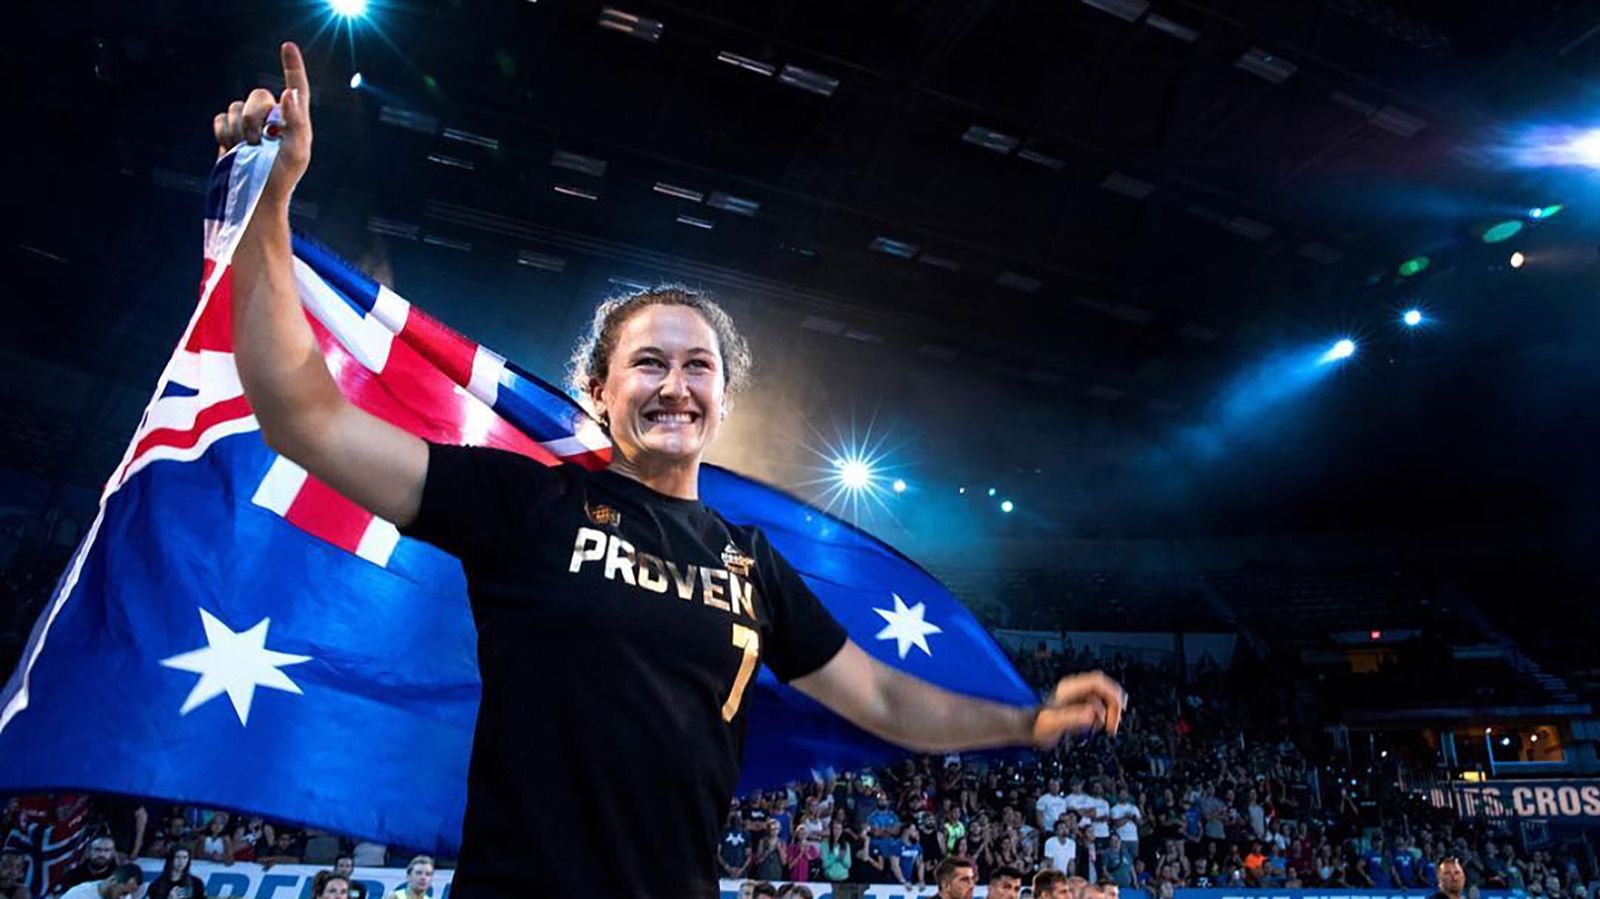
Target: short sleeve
column 473, row 497
column 802, row 635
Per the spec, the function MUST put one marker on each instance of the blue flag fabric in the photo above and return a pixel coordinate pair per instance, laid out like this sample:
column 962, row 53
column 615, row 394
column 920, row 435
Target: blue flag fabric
column 233, row 633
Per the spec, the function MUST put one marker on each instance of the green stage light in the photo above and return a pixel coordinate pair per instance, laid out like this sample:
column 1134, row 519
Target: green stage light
column 1414, row 265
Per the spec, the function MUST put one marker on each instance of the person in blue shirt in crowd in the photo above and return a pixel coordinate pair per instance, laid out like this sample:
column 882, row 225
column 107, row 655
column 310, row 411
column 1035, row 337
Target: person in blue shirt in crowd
column 1378, row 866
column 1405, row 874
column 907, row 857
column 885, row 826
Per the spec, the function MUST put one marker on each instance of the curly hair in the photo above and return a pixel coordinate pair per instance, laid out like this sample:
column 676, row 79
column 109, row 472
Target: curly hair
column 591, row 359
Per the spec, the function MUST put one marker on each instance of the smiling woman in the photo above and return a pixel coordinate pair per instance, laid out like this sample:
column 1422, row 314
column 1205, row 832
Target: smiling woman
column 614, row 610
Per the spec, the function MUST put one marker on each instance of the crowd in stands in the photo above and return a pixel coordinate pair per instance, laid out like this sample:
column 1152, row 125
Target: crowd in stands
column 1188, row 794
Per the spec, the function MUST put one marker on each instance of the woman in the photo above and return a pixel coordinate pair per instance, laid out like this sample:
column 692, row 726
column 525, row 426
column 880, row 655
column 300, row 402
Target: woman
column 766, row 860
column 800, row 855
column 175, row 880
column 328, row 885
column 213, row 843
column 561, row 565
column 836, row 854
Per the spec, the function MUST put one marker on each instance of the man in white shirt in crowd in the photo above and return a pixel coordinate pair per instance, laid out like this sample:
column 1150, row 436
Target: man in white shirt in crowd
column 123, row 882
column 1101, row 831
column 1081, row 804
column 1061, row 849
column 1125, row 818
column 1051, row 805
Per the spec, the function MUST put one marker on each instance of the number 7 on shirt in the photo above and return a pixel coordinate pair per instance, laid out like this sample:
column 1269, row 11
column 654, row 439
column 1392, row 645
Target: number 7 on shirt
column 747, row 639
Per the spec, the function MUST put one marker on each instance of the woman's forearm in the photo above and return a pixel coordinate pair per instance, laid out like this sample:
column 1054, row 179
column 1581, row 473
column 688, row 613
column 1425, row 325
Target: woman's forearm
column 927, row 718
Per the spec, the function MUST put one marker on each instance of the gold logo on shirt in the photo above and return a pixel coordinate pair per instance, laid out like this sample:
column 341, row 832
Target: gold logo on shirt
column 737, row 562
column 603, row 514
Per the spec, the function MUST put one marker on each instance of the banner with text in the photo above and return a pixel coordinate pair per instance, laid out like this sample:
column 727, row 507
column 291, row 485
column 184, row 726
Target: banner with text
column 1563, row 801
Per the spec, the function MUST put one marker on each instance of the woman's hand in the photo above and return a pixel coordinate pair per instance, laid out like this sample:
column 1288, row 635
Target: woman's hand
column 1082, row 702
column 245, row 121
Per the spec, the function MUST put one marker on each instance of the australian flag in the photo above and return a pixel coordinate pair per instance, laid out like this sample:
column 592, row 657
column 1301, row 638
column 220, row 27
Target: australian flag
column 232, row 632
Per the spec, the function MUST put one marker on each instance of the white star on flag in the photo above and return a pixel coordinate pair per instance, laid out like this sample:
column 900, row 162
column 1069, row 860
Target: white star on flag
column 906, row 627
column 234, row 663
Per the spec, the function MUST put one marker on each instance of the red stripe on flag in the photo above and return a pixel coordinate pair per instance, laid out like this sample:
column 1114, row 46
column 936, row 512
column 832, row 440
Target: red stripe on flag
column 214, row 330
column 449, row 351
column 209, row 417
column 319, row 509
column 416, row 396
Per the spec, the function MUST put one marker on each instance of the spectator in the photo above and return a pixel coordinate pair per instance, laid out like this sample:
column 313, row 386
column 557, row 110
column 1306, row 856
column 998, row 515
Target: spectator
column 836, row 854
column 1005, row 883
column 328, row 885
column 885, row 826
column 250, row 836
column 1061, row 850
column 96, row 865
column 906, row 860
column 1376, row 867
column 419, row 879
column 1051, row 805
column 1101, row 826
column 953, row 828
column 1050, row 884
column 176, row 881
column 1256, row 816
column 1452, row 879
column 767, row 856
column 123, row 881
column 213, row 844
column 799, row 855
column 764, row 890
column 14, row 876
column 345, row 866
column 1125, row 820
column 283, row 851
column 733, row 849
column 955, row 877
column 1116, row 863
column 176, row 833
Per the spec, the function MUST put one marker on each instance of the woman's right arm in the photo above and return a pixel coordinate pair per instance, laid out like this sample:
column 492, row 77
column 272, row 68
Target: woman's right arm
column 302, row 413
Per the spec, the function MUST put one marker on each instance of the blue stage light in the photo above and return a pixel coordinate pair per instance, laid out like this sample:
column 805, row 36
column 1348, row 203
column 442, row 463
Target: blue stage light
column 350, row 9
column 993, row 491
column 1412, row 318
column 1006, row 506
column 355, row 81
column 1343, row 349
column 899, row 486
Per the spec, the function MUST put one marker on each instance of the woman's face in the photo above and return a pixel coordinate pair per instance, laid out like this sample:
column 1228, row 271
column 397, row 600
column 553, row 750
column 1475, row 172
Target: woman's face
column 335, row 888
column 664, row 391
column 180, row 860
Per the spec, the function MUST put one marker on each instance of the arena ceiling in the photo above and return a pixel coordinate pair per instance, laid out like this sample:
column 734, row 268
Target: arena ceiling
column 1033, row 240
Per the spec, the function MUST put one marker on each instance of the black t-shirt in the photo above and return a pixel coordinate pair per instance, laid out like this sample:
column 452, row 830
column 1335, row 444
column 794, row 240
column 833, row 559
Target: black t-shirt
column 613, row 624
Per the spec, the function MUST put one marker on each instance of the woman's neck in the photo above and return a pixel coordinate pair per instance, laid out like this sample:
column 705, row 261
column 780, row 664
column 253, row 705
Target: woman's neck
column 671, row 478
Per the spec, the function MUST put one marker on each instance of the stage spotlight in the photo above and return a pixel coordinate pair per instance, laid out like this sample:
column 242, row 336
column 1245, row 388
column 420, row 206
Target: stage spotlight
column 993, row 491
column 1517, row 259
column 855, row 474
column 1414, row 265
column 350, row 9
column 1544, row 212
column 961, row 490
column 1343, row 349
column 355, row 81
column 899, row 486
column 1499, row 231
column 1006, row 505
column 1412, row 318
